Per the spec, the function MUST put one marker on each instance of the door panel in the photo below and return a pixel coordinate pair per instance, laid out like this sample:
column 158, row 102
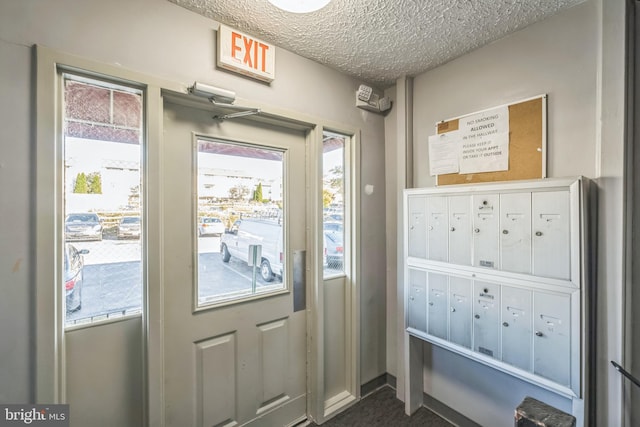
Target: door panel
column 515, row 235
column 516, row 327
column 485, row 231
column 417, row 227
column 460, row 230
column 242, row 362
column 437, row 244
column 417, row 306
column 438, row 306
column 551, row 239
column 486, row 318
column 460, row 314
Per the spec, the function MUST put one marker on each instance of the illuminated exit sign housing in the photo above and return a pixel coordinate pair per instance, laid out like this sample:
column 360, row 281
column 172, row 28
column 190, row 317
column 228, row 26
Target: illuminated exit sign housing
column 245, row 54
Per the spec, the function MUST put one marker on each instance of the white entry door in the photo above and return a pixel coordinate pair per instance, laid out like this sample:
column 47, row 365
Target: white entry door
column 234, row 344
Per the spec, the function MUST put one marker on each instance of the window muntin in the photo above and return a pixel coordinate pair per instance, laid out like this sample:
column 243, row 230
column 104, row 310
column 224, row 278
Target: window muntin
column 240, row 226
column 333, row 201
column 102, row 183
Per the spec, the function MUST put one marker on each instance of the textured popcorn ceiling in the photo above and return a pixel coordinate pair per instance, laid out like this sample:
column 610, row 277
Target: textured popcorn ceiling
column 378, row 41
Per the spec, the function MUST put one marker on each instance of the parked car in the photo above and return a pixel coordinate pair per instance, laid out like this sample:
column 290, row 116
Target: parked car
column 210, row 226
column 129, row 226
column 333, row 226
column 82, row 226
column 267, row 234
column 333, row 250
column 73, row 276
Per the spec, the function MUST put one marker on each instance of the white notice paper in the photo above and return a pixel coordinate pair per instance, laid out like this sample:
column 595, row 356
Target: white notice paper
column 485, row 141
column 485, row 154
column 444, row 153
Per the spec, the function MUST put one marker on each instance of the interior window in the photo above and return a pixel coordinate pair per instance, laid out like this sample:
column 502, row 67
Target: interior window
column 239, row 221
column 102, row 230
column 333, row 199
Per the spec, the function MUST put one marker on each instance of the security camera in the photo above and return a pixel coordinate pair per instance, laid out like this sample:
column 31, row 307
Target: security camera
column 215, row 94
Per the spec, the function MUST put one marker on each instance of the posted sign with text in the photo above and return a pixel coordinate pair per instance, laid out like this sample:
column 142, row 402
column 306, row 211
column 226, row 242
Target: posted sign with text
column 246, row 54
column 484, row 139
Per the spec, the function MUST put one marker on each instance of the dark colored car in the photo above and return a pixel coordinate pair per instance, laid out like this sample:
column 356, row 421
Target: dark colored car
column 73, row 276
column 129, row 226
column 82, row 226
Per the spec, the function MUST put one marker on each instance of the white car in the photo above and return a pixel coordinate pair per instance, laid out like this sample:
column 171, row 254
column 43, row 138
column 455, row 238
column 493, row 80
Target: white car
column 210, row 226
column 263, row 232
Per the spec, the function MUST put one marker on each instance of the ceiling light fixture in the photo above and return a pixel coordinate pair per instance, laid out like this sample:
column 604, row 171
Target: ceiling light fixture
column 300, row 6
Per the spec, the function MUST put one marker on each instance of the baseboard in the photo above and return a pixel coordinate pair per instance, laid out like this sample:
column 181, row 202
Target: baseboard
column 434, row 405
column 371, row 386
column 444, row 411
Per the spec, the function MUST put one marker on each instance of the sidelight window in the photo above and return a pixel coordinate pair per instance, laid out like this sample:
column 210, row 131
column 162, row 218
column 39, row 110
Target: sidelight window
column 102, row 231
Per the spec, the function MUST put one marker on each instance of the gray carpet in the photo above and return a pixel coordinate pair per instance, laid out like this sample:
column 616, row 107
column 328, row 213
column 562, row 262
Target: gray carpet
column 382, row 409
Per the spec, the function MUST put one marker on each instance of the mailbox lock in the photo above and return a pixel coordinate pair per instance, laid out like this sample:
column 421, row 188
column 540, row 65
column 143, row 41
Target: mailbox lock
column 453, row 310
column 505, row 324
column 486, row 290
column 453, row 229
column 477, row 230
column 430, row 227
column 477, row 316
column 411, row 298
column 539, row 334
column 430, row 303
column 538, row 233
column 505, row 231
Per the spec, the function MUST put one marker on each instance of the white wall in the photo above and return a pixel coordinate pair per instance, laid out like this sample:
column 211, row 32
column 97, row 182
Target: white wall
column 16, row 203
column 561, row 57
column 158, row 38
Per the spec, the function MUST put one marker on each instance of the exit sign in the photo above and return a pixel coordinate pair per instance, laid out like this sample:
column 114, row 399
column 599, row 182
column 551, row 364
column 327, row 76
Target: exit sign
column 246, row 54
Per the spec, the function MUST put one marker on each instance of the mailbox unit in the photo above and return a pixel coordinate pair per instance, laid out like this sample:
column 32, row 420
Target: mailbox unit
column 497, row 273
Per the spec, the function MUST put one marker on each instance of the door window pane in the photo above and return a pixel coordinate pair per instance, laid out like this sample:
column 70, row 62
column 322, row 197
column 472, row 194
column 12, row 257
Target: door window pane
column 102, row 200
column 333, row 198
column 239, row 221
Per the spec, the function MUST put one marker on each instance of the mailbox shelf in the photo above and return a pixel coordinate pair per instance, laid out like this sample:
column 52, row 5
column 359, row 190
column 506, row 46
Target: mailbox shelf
column 498, row 273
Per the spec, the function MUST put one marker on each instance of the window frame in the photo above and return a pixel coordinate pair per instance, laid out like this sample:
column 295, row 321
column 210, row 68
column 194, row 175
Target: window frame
column 50, row 377
column 95, row 78
column 286, row 285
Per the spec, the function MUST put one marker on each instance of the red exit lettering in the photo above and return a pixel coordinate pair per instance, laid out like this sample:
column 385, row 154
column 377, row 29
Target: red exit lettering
column 251, row 52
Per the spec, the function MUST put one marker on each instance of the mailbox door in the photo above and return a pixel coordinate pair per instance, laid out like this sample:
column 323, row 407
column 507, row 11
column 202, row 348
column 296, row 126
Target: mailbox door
column 515, row 232
column 417, row 225
column 438, row 306
column 437, row 244
column 486, row 223
column 551, row 341
column 517, row 322
column 417, row 305
column 460, row 311
column 551, row 234
column 486, row 318
column 460, row 230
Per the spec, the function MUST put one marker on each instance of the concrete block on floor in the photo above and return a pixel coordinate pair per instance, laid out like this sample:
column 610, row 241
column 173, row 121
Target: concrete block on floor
column 533, row 413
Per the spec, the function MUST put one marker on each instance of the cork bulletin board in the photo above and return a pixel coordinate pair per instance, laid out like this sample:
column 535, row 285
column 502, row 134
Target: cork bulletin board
column 527, row 145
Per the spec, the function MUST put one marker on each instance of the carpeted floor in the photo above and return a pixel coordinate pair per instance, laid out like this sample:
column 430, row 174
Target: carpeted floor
column 382, row 409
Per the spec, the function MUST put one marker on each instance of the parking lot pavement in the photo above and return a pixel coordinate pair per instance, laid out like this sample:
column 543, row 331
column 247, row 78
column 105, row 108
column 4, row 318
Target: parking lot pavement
column 113, row 276
column 112, row 250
